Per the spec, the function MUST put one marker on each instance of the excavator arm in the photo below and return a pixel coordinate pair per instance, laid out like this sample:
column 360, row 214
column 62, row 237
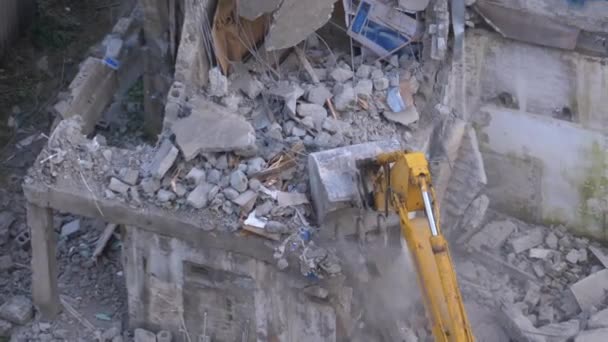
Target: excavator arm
column 403, row 185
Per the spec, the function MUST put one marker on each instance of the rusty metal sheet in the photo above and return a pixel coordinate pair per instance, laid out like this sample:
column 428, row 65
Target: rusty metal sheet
column 531, row 28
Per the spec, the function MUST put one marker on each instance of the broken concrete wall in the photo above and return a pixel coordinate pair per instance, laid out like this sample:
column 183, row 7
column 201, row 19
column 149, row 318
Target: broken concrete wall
column 542, row 124
column 589, row 17
column 242, row 298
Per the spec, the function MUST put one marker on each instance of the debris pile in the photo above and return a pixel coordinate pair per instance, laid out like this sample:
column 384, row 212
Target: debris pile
column 237, row 150
column 548, row 284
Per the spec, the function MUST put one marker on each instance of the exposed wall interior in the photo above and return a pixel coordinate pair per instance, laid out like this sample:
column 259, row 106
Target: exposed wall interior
column 541, row 120
column 243, row 299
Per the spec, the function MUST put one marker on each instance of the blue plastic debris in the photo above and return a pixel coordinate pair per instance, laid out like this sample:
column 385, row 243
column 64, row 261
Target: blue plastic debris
column 312, row 276
column 382, row 29
column 305, row 234
column 394, row 100
column 113, row 47
column 112, row 63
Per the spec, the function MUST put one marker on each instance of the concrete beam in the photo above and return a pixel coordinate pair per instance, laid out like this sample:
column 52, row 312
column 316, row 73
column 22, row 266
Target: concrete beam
column 174, row 223
column 44, row 261
column 91, row 92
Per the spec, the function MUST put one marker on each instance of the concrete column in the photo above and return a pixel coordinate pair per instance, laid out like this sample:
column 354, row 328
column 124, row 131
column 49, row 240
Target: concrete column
column 156, row 62
column 44, row 261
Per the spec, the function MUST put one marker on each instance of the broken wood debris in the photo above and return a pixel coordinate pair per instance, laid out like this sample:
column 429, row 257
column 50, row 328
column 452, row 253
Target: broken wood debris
column 331, row 108
column 281, row 162
column 80, row 318
column 234, row 36
column 103, row 240
column 256, row 225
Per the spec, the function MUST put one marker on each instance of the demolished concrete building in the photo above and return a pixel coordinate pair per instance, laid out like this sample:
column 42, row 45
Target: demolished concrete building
column 220, row 240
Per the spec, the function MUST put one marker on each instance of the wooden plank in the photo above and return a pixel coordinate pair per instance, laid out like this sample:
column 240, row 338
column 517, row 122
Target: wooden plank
column 261, row 232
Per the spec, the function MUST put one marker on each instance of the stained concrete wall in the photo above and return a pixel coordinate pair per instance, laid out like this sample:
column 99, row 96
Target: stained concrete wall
column 542, row 80
column 172, row 284
column 543, row 163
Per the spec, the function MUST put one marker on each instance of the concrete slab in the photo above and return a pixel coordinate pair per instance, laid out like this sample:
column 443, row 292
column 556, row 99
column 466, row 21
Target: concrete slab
column 596, row 335
column 295, row 20
column 518, row 326
column 493, row 235
column 591, row 290
column 212, row 128
column 530, row 239
column 563, row 331
column 589, row 16
column 163, row 160
column 18, row 310
column 598, row 320
column 527, row 27
column 332, row 174
column 255, row 8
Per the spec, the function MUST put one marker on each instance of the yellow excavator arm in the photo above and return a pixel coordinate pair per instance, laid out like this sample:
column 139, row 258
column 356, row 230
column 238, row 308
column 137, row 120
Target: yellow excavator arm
column 403, row 184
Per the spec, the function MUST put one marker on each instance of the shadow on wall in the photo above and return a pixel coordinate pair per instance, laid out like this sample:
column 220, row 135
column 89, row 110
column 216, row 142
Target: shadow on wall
column 14, row 18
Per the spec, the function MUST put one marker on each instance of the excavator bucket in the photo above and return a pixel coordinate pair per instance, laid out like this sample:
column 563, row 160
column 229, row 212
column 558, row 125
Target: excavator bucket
column 398, row 184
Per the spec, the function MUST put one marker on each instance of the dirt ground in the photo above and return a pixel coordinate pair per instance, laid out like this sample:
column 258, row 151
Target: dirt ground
column 32, row 74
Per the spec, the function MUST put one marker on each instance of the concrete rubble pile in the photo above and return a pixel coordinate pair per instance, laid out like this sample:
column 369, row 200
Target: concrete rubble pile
column 222, row 150
column 548, row 284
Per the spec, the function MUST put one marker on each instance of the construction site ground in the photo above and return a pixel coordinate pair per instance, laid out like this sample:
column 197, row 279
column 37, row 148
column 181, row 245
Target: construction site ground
column 40, row 65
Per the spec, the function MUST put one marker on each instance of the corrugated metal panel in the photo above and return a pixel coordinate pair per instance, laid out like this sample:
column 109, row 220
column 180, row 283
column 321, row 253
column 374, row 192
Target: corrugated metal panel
column 526, row 27
column 14, row 16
